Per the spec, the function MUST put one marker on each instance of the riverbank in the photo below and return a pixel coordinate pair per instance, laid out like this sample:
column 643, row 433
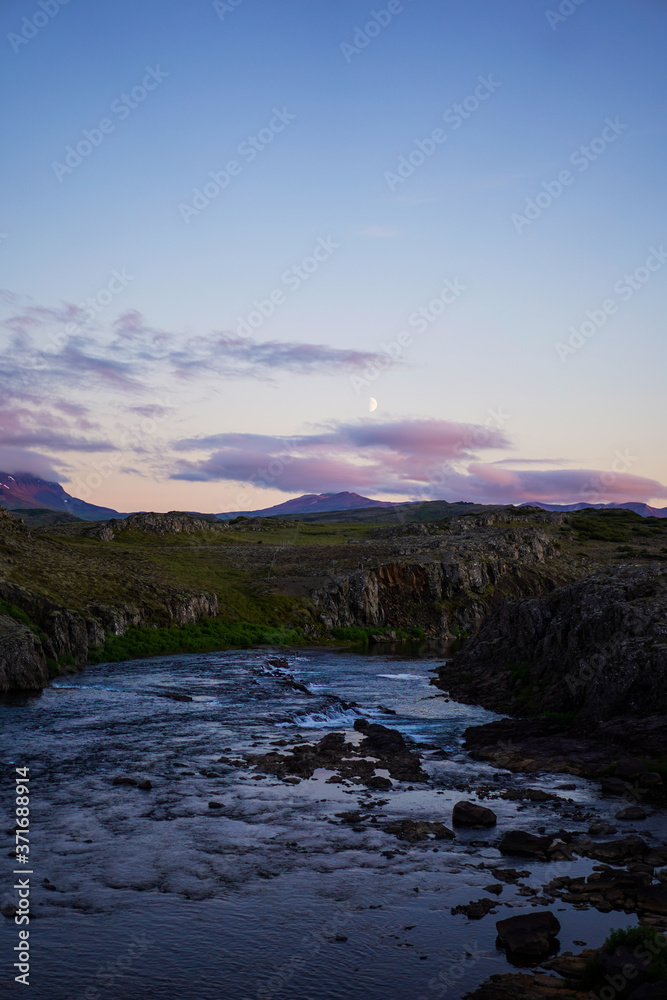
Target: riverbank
column 207, row 803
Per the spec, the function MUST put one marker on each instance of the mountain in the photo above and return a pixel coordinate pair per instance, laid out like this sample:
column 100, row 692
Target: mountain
column 25, row 491
column 643, row 509
column 311, row 503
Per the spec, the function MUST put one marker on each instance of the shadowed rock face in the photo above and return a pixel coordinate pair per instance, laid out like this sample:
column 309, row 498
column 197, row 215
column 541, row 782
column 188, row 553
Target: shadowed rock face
column 451, row 584
column 529, row 934
column 22, row 660
column 597, row 648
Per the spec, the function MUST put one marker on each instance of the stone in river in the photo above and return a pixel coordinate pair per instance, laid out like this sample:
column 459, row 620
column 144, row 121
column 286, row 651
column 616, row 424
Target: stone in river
column 530, row 935
column 520, row 842
column 470, row 814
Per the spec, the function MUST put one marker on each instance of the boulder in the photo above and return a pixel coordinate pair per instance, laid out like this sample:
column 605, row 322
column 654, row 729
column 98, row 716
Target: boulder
column 470, row 814
column 520, row 842
column 530, row 935
column 653, row 899
column 631, row 812
column 419, row 829
column 617, row 850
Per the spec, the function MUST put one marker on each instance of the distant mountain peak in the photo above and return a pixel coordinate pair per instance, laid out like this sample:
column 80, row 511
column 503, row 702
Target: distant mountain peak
column 643, row 509
column 311, row 503
column 24, row 491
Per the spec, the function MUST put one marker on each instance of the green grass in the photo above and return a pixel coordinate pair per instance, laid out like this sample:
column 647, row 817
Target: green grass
column 204, row 637
column 362, row 634
column 614, row 526
column 13, row 612
column 651, row 947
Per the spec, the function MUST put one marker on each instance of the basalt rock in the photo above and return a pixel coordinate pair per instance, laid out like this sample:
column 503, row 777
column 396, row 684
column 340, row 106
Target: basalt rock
column 175, row 522
column 22, row 661
column 596, row 648
column 450, row 583
column 381, row 748
column 471, row 814
column 529, row 935
column 521, row 843
column 545, row 745
column 414, row 830
column 67, row 635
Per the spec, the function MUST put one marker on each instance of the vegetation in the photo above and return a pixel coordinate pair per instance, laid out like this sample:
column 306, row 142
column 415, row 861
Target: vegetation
column 615, row 526
column 13, row 612
column 264, row 571
column 648, row 945
column 363, row 635
column 204, row 637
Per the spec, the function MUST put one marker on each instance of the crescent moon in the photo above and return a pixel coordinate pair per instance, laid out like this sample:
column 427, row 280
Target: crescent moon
column 372, row 404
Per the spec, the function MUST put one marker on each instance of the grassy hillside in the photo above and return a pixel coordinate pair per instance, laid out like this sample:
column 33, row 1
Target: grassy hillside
column 265, row 570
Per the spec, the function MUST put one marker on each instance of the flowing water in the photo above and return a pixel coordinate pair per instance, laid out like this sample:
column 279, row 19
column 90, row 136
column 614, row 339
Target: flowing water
column 268, row 896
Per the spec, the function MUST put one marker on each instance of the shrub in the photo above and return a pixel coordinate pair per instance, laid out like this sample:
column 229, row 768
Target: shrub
column 649, row 945
column 204, row 637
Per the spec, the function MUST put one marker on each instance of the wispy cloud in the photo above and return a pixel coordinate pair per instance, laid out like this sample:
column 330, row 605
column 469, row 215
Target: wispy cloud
column 419, row 459
column 58, row 346
column 395, row 456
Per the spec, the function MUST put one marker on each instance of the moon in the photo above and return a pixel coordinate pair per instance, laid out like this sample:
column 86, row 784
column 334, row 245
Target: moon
column 372, row 404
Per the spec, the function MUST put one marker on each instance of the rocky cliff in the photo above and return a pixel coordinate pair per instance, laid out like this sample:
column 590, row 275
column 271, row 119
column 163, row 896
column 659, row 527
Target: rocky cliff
column 22, row 660
column 40, row 634
column 60, row 639
column 450, row 585
column 596, row 648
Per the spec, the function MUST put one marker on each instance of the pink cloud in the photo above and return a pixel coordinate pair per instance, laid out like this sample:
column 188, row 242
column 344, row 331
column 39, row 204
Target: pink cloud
column 419, row 459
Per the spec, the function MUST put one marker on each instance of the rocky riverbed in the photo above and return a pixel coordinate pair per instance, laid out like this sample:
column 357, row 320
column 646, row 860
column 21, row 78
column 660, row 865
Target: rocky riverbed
column 307, row 825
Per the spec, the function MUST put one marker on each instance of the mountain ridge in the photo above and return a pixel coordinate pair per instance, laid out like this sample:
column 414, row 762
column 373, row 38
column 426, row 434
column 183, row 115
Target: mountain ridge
column 25, row 491
column 311, row 503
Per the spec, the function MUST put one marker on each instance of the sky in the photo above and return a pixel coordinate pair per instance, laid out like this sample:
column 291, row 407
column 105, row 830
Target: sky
column 251, row 249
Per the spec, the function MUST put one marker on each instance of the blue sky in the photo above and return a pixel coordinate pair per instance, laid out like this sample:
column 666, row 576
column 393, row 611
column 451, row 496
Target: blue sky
column 148, row 399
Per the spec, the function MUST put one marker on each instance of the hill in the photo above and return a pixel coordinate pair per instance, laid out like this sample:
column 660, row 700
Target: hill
column 27, row 492
column 311, row 503
column 39, row 517
column 643, row 509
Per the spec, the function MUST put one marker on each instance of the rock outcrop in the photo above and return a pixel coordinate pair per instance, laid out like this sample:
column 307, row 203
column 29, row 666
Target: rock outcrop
column 22, row 661
column 596, row 648
column 174, row 522
column 64, row 635
column 451, row 586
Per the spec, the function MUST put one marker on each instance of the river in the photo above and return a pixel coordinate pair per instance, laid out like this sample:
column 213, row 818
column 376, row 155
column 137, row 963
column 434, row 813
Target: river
column 268, row 895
